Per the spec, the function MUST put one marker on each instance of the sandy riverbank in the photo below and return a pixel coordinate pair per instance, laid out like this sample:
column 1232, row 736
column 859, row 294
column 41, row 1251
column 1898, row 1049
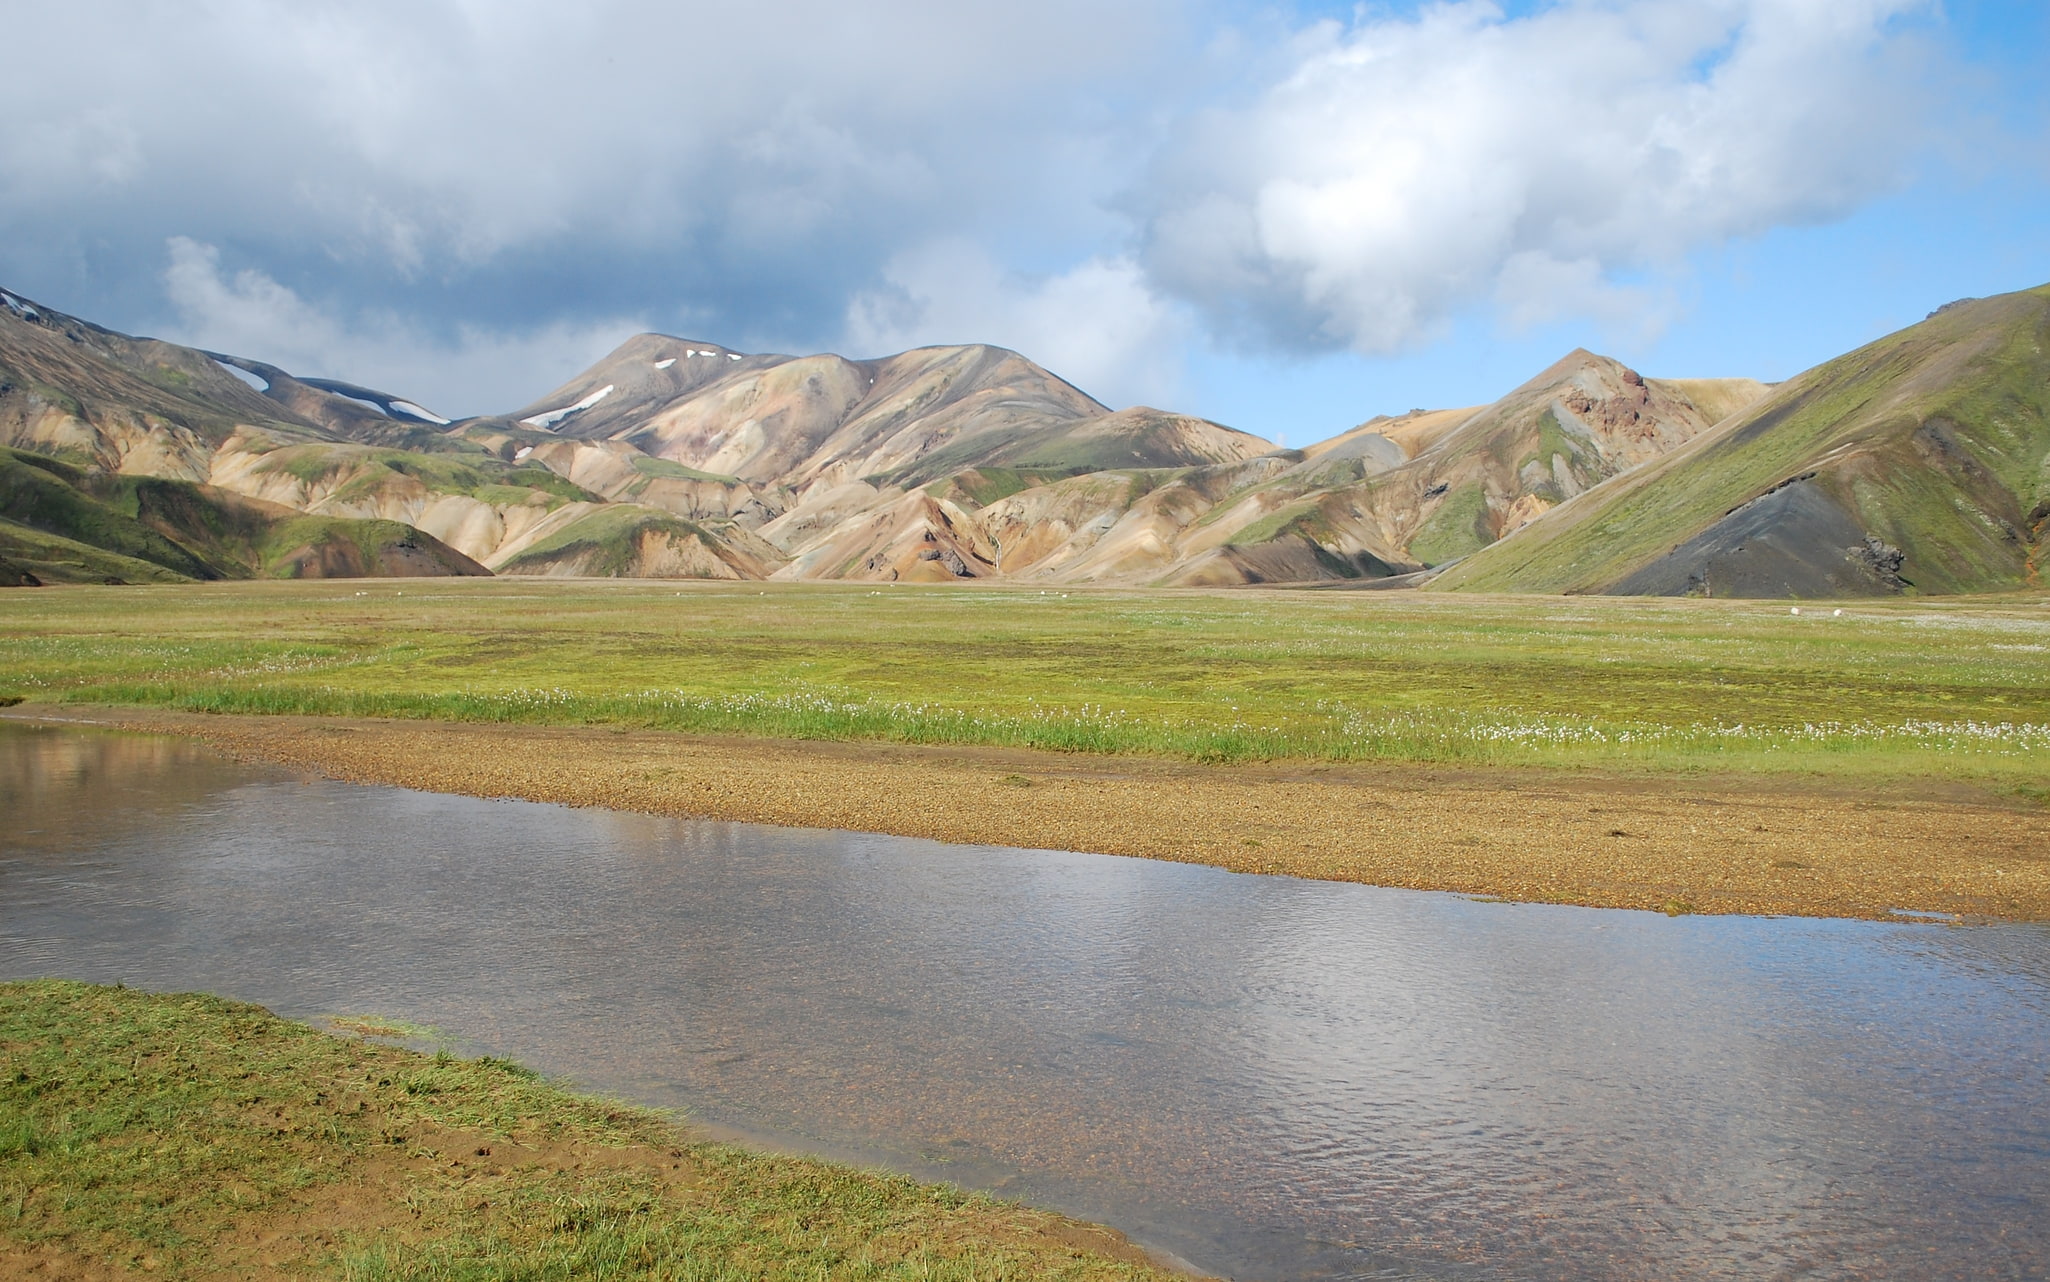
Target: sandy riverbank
column 1745, row 846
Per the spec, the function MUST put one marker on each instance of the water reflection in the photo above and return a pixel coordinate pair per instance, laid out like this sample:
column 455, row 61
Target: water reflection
column 1273, row 1078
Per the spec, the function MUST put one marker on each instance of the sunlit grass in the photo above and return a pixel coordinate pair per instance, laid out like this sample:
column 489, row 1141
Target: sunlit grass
column 1945, row 688
column 145, row 1133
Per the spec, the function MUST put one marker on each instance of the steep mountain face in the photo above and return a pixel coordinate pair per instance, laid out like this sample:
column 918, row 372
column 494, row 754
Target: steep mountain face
column 1586, row 419
column 797, row 421
column 1920, row 461
column 846, row 469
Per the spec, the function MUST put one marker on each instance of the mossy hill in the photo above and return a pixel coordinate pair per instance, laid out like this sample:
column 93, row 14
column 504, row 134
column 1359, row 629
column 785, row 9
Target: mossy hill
column 1919, row 463
column 68, row 524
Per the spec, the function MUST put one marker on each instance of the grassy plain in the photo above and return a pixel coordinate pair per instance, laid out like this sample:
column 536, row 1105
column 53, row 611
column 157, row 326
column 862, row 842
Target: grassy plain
column 188, row 1136
column 1952, row 689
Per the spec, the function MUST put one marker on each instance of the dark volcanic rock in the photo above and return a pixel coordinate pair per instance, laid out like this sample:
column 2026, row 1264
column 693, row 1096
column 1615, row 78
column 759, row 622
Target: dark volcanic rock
column 1795, row 540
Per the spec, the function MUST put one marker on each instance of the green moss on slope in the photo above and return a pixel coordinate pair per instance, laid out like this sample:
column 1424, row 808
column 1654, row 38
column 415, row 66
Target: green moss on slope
column 606, row 541
column 52, row 497
column 28, row 554
column 83, row 518
column 1935, row 438
column 1458, row 528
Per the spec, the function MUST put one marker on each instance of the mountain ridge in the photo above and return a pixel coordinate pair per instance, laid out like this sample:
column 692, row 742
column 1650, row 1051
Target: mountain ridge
column 675, row 457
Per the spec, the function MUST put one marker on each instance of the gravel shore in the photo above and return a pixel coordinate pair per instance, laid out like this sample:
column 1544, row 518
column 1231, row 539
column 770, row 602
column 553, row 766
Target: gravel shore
column 1674, row 845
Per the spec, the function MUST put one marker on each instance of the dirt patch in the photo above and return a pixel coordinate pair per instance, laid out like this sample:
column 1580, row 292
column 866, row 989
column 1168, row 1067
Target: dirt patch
column 1776, row 846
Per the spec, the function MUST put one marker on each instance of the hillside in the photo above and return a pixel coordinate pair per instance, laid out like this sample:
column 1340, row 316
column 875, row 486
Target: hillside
column 65, row 524
column 301, row 476
column 1399, row 495
column 1920, row 462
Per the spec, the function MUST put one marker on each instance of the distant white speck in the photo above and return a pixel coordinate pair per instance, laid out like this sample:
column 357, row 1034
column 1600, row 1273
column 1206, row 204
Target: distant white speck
column 1837, row 615
column 552, row 417
column 522, row 452
column 1795, row 610
column 665, row 364
column 257, row 381
column 411, row 410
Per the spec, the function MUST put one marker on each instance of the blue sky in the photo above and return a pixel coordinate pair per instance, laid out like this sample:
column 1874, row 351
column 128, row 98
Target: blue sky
column 1284, row 217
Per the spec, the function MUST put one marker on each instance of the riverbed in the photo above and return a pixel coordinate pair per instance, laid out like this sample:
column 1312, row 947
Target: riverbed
column 1267, row 1077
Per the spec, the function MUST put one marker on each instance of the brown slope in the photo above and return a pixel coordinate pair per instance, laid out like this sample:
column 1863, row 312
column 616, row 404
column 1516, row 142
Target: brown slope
column 1391, row 440
column 1121, row 526
column 912, row 537
column 621, row 473
column 631, row 541
column 798, row 421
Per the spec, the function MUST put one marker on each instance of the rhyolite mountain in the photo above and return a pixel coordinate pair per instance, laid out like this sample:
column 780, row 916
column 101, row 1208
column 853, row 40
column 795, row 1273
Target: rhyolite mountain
column 1918, row 462
column 1917, row 466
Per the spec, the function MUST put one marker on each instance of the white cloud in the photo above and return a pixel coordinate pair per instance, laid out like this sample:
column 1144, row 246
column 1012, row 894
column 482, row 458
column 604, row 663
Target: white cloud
column 1408, row 168
column 466, row 177
column 477, row 371
column 1098, row 325
column 422, row 134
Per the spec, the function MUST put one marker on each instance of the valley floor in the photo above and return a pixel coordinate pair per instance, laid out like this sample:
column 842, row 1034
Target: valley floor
column 1803, row 845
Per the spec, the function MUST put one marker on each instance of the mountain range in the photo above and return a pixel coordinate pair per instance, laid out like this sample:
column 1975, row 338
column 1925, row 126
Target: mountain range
column 1920, row 463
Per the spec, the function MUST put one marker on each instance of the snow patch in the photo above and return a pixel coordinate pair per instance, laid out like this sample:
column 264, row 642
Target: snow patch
column 552, row 417
column 257, row 381
column 732, row 356
column 372, row 406
column 522, row 452
column 411, row 410
column 665, row 364
column 18, row 307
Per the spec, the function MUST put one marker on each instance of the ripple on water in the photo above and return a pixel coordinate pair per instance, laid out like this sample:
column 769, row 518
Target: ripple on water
column 1272, row 1077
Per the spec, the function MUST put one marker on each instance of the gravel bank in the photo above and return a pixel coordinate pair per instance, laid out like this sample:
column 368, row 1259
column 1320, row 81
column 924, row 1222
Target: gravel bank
column 1661, row 844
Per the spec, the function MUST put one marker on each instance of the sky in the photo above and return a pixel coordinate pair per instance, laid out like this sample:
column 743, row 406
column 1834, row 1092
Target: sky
column 1287, row 217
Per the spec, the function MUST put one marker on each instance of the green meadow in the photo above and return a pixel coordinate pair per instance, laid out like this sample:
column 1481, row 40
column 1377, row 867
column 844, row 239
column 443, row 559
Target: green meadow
column 185, row 1136
column 1952, row 688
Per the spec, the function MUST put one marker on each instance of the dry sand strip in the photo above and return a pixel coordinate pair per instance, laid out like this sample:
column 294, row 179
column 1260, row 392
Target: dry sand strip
column 1753, row 846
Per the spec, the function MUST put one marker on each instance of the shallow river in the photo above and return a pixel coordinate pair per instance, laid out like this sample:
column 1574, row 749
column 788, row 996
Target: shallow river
column 1270, row 1078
